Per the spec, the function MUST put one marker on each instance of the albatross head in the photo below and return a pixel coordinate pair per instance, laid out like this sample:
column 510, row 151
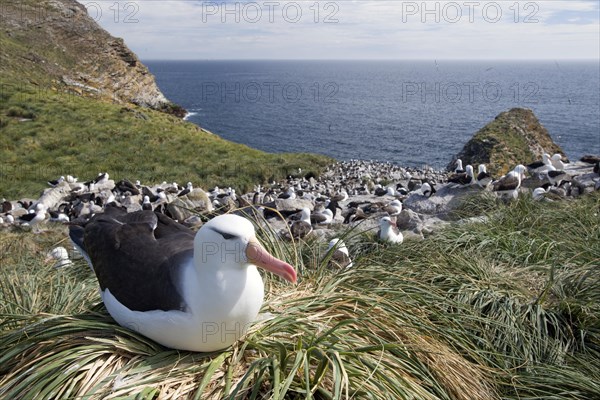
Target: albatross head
column 60, row 255
column 339, row 245
column 469, row 170
column 520, row 170
column 229, row 242
column 386, row 223
column 305, row 215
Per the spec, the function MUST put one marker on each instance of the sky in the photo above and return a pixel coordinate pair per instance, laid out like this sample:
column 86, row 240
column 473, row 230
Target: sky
column 353, row 29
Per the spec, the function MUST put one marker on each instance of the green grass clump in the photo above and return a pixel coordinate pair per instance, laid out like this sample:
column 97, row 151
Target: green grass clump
column 20, row 113
column 505, row 309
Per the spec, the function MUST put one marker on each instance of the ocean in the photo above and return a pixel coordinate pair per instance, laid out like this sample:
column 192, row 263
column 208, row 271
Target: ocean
column 412, row 113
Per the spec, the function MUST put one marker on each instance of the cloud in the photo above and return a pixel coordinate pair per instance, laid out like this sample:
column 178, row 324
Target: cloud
column 354, row 29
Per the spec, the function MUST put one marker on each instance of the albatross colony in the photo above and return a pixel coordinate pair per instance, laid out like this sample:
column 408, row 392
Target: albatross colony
column 163, row 280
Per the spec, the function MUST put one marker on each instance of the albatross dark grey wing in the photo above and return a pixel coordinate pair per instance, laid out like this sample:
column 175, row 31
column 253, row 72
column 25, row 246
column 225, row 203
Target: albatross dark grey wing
column 138, row 256
column 507, row 182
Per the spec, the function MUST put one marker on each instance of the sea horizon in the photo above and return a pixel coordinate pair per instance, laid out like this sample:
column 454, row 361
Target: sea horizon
column 412, row 112
column 591, row 60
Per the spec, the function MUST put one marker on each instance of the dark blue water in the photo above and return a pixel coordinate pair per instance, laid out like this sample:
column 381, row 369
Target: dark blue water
column 411, row 113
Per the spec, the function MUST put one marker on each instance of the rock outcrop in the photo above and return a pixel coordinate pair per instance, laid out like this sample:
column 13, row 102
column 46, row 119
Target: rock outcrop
column 63, row 49
column 513, row 137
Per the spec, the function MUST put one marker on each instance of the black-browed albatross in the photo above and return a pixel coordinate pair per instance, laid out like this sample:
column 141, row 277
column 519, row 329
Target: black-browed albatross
column 483, row 178
column 197, row 292
column 463, row 178
column 388, row 231
column 508, row 186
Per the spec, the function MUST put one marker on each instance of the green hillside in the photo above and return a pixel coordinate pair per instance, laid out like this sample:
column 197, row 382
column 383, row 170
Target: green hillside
column 45, row 136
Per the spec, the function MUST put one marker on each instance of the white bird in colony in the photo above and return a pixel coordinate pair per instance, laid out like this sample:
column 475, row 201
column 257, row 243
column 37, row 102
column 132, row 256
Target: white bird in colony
column 388, row 232
column 101, row 178
column 459, row 167
column 303, row 227
column 187, row 190
column 289, row 194
column 557, row 162
column 508, row 186
column 483, row 178
column 427, row 190
column 540, row 166
column 539, row 193
column 60, row 256
column 556, row 177
column 324, row 217
column 161, row 197
column 463, row 178
column 394, row 208
column 189, row 291
column 215, row 192
column 146, row 204
column 56, row 182
column 60, row 217
column 340, row 258
column 232, row 194
column 34, row 218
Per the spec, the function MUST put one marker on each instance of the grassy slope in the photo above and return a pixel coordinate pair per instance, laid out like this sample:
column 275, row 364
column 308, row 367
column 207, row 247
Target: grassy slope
column 504, row 309
column 81, row 137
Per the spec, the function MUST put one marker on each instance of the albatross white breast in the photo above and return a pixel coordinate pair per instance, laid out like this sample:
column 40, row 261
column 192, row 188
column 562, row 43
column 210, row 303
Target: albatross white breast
column 483, row 178
column 197, row 292
column 388, row 232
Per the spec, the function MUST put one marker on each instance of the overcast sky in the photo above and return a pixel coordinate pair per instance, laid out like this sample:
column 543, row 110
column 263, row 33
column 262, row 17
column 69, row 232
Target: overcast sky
column 370, row 29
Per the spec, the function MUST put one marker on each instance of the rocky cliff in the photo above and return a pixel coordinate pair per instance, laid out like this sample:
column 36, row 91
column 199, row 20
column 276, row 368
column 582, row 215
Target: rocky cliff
column 513, row 137
column 55, row 44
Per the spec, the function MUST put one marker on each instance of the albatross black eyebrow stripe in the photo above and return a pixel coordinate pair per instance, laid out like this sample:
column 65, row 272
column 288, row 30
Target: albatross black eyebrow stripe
column 225, row 235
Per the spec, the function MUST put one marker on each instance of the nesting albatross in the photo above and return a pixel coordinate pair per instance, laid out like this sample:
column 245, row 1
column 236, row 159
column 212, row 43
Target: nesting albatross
column 197, row 292
column 508, row 186
column 388, row 232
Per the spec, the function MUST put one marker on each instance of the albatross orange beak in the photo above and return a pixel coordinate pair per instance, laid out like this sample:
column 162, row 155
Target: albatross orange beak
column 260, row 257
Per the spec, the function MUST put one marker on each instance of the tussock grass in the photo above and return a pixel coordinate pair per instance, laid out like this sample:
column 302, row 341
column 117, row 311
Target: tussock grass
column 505, row 309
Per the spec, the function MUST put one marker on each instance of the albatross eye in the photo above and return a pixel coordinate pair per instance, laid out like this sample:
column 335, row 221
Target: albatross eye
column 225, row 235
